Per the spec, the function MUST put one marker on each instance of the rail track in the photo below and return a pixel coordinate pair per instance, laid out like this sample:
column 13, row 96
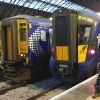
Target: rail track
column 11, row 87
column 45, row 91
column 29, row 91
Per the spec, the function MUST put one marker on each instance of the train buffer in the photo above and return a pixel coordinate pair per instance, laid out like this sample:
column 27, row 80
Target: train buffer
column 82, row 91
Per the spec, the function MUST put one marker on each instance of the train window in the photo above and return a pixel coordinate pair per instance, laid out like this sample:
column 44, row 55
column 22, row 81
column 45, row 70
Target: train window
column 83, row 33
column 22, row 34
column 60, row 30
column 22, row 24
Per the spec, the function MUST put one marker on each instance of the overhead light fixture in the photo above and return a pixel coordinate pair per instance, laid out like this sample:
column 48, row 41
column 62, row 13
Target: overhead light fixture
column 50, row 18
column 37, row 16
column 98, row 13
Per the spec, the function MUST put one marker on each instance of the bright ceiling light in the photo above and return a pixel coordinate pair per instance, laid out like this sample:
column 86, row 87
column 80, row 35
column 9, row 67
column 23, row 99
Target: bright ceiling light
column 98, row 13
column 50, row 18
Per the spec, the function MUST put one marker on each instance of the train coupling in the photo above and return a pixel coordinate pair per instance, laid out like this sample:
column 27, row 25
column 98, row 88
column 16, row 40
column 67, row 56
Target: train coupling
column 10, row 67
column 16, row 71
column 64, row 69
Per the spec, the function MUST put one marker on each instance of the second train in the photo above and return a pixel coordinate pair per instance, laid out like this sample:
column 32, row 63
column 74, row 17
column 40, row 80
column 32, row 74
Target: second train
column 25, row 47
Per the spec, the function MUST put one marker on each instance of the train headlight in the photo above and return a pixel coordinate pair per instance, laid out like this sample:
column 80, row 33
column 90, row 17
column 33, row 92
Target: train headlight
column 22, row 55
column 52, row 50
column 91, row 51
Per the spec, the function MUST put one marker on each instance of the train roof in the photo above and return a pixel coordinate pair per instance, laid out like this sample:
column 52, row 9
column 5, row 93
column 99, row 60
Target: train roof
column 84, row 13
column 29, row 18
column 89, row 14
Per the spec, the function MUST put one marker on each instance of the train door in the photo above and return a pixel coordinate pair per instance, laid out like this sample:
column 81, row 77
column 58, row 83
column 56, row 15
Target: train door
column 84, row 30
column 65, row 37
column 62, row 49
column 9, row 42
column 98, row 38
column 23, row 39
column 98, row 47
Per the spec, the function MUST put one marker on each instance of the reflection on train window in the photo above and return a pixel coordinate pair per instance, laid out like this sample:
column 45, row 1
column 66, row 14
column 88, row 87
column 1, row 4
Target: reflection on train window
column 83, row 33
column 51, row 35
column 43, row 35
column 22, row 34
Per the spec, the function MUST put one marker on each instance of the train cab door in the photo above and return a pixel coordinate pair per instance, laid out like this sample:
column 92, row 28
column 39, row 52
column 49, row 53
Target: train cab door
column 98, row 38
column 23, row 39
column 84, row 33
column 9, row 43
column 61, row 40
column 65, row 37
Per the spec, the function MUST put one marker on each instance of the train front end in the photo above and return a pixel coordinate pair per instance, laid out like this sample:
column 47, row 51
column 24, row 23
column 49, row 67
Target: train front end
column 15, row 48
column 25, row 46
column 74, row 45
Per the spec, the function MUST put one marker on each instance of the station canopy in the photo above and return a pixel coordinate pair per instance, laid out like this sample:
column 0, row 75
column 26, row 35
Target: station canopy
column 47, row 5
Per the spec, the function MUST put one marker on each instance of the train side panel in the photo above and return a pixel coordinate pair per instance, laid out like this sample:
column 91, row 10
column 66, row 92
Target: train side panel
column 38, row 47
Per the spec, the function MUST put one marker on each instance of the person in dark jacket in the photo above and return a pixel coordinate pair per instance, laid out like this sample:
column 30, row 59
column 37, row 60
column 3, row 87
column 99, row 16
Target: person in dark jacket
column 97, row 86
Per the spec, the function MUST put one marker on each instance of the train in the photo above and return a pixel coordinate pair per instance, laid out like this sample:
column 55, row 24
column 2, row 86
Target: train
column 75, row 45
column 68, row 47
column 25, row 47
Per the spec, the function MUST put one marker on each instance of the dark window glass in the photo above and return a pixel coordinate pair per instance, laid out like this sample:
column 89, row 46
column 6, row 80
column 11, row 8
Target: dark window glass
column 61, row 30
column 22, row 24
column 83, row 33
column 22, row 34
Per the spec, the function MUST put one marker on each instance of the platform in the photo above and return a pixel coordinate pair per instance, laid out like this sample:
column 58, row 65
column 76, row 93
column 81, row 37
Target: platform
column 82, row 91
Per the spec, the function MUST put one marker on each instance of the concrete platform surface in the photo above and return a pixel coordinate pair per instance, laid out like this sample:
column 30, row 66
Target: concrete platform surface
column 82, row 91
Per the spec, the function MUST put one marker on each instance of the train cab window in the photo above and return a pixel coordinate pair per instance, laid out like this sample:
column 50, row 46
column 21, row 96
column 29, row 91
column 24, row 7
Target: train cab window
column 83, row 33
column 22, row 34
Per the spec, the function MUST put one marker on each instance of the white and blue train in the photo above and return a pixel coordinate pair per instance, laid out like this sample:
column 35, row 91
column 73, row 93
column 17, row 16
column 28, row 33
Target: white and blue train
column 25, row 47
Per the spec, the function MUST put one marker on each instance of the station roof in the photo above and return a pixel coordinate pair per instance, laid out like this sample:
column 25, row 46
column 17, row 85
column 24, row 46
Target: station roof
column 44, row 7
column 92, row 4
